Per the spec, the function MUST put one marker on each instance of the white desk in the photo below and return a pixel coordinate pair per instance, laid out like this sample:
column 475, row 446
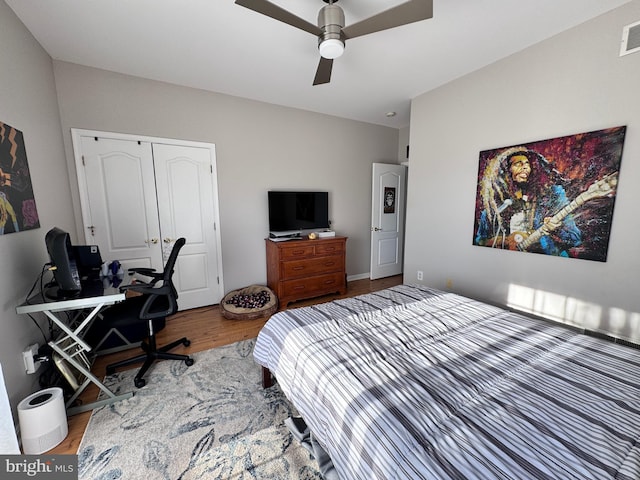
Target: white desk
column 70, row 345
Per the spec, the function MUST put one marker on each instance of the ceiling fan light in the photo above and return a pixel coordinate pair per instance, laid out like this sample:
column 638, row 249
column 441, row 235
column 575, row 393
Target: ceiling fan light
column 331, row 48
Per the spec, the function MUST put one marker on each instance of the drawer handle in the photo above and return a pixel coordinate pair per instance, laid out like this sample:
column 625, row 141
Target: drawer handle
column 297, row 252
column 298, row 268
column 329, row 282
column 299, row 287
column 329, row 264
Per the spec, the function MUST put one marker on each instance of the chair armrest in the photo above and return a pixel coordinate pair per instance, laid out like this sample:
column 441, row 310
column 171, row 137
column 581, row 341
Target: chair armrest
column 147, row 272
column 147, row 289
column 143, row 271
column 149, row 309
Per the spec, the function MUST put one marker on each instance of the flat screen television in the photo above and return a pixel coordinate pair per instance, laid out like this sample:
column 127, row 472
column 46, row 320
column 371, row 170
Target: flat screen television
column 295, row 211
column 62, row 257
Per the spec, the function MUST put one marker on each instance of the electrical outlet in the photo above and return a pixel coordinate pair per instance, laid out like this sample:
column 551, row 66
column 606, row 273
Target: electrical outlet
column 420, row 275
column 28, row 357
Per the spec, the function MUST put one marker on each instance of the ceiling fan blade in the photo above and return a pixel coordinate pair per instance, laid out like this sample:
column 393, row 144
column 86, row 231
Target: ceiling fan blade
column 270, row 10
column 323, row 74
column 403, row 14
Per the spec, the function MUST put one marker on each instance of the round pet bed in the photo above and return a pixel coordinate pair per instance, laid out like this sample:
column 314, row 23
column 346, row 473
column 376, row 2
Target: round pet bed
column 250, row 302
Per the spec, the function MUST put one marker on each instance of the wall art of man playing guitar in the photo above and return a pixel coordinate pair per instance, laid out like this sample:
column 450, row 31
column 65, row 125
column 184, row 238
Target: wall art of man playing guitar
column 522, row 201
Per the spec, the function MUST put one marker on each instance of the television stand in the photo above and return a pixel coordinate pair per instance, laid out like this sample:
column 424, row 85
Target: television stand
column 303, row 268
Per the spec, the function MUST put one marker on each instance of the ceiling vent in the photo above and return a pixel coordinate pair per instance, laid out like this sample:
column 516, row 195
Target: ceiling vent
column 630, row 39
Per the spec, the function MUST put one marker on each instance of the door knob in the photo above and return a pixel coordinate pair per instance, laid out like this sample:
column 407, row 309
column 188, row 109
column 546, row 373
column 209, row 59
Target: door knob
column 376, row 229
column 168, row 240
column 153, row 241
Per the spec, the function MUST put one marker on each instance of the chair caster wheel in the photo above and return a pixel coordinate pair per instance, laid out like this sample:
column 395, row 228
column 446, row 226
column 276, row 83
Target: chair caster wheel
column 189, row 362
column 186, row 343
column 139, row 382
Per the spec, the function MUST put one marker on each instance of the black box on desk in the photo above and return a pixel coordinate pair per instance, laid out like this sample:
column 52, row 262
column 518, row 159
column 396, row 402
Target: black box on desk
column 88, row 260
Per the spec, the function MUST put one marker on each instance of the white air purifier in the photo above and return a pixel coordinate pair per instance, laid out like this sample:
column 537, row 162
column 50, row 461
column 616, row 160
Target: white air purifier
column 43, row 421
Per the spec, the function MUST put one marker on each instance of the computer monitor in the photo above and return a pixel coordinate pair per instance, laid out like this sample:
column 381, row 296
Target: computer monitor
column 61, row 254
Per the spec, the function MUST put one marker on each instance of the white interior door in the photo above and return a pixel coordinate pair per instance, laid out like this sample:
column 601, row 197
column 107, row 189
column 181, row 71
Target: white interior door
column 120, row 211
column 186, row 209
column 139, row 196
column 387, row 219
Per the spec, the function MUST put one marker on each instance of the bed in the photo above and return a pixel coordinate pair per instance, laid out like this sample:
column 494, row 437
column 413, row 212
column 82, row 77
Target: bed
column 416, row 383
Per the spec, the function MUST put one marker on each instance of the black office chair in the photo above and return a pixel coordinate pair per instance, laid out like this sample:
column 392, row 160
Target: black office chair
column 157, row 301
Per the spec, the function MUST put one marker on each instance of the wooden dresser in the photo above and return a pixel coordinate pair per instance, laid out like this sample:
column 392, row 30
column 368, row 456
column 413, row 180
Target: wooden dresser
column 298, row 269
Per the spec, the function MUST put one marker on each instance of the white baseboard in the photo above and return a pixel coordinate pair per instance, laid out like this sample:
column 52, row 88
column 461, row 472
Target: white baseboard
column 359, row 276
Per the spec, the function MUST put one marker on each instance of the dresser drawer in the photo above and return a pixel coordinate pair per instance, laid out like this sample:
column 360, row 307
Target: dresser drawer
column 329, row 248
column 304, row 287
column 301, row 251
column 312, row 266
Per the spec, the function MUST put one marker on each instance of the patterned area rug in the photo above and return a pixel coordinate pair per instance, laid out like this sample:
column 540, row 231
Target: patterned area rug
column 212, row 420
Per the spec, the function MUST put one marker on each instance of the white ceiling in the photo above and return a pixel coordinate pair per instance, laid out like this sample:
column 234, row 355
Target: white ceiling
column 219, row 46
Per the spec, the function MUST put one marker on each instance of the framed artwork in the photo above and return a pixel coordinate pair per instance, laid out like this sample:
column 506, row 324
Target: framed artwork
column 17, row 204
column 389, row 200
column 554, row 197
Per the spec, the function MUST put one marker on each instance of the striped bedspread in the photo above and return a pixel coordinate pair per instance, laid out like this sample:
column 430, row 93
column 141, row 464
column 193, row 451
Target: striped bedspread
column 415, row 383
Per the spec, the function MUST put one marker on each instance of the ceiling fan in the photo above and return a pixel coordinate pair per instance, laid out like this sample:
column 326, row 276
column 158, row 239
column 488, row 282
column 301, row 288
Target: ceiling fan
column 331, row 31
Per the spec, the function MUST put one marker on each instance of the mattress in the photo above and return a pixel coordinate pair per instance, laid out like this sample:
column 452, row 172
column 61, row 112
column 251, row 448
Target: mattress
column 412, row 382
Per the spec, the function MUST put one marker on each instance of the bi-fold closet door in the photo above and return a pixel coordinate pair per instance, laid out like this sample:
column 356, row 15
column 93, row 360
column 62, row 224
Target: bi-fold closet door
column 139, row 195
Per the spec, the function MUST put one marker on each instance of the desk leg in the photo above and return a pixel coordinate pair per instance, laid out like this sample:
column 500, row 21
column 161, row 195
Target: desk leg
column 89, row 378
column 71, row 334
column 98, row 403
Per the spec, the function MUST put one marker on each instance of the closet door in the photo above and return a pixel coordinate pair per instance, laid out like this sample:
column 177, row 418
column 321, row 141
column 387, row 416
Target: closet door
column 121, row 213
column 185, row 192
column 139, row 196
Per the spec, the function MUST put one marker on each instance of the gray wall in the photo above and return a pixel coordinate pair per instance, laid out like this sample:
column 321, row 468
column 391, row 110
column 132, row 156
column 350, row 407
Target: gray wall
column 403, row 142
column 258, row 147
column 28, row 103
column 572, row 83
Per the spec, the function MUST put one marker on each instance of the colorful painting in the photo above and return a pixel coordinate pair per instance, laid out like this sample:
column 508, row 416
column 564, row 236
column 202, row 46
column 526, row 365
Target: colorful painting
column 553, row 197
column 17, row 204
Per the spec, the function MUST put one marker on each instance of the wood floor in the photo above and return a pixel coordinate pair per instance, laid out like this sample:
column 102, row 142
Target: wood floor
column 206, row 328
